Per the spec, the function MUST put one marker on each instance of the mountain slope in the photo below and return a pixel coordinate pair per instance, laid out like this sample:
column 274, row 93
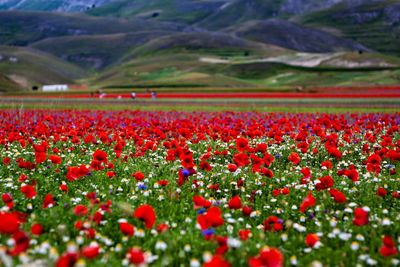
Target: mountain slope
column 95, row 51
column 292, row 36
column 23, row 28
column 185, row 11
column 376, row 24
column 53, row 5
column 28, row 67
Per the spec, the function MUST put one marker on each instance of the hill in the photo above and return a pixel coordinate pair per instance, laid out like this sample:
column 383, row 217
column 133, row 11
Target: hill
column 23, row 28
column 95, row 51
column 375, row 24
column 292, row 36
column 54, row 5
column 27, row 67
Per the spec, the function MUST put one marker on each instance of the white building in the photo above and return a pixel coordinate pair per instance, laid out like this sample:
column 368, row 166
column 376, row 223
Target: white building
column 55, row 88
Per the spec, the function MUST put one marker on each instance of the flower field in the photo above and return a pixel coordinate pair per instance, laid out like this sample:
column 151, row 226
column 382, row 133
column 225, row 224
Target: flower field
column 214, row 189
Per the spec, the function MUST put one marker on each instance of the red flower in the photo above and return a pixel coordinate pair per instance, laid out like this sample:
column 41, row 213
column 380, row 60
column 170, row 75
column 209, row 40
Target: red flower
column 381, row 192
column 7, row 199
column 324, row 183
column 91, row 252
column 294, row 158
column 388, row 247
column 242, row 144
column 100, row 155
column 200, row 201
column 212, row 218
column 232, row 167
column 146, row 213
column 246, row 210
column 37, row 229
column 80, row 210
column 55, row 159
column 360, row 217
column 235, row 203
column 270, row 257
column 338, row 196
column 273, row 224
column 311, row 240
column 217, row 261
column 139, row 176
column 28, row 191
column 48, row 201
column 126, row 228
column 9, row 223
column 244, row 234
column 308, row 202
column 136, row 256
column 21, row 241
column 68, row 259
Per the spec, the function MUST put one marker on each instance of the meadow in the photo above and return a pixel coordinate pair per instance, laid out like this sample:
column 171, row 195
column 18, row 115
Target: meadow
column 92, row 187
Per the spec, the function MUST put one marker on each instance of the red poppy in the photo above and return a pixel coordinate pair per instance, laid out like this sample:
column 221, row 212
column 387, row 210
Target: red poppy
column 388, row 247
column 21, row 241
column 136, row 256
column 80, row 210
column 311, row 240
column 244, row 234
column 308, row 202
column 29, row 191
column 100, row 155
column 91, row 252
column 126, row 228
column 217, row 261
column 270, row 257
column 68, row 259
column 146, row 213
column 294, row 158
column 139, row 176
column 9, row 223
column 37, row 229
column 338, row 196
column 273, row 224
column 235, row 203
column 212, row 218
column 48, row 201
column 360, row 217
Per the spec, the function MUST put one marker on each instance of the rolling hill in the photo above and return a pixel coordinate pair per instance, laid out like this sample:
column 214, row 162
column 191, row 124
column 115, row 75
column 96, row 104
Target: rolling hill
column 54, row 5
column 27, row 67
column 375, row 24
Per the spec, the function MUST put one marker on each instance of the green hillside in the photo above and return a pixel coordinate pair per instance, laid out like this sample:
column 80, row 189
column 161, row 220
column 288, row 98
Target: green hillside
column 376, row 25
column 27, row 67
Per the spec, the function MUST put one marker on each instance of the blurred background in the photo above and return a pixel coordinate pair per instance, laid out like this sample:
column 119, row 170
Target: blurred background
column 198, row 45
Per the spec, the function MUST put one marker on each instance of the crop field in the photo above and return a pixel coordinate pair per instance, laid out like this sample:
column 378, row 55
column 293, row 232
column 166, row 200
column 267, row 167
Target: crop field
column 175, row 188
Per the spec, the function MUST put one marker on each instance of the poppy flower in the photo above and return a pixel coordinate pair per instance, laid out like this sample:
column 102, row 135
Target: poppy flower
column 139, row 176
column 311, row 240
column 324, row 183
column 269, row 257
column 9, row 223
column 388, row 247
column 232, row 167
column 29, row 191
column 244, row 234
column 273, row 224
column 136, row 256
column 80, row 210
column 217, row 261
column 8, row 200
column 126, row 228
column 212, row 218
column 146, row 213
column 68, row 259
column 381, row 192
column 199, row 201
column 308, row 202
column 48, row 201
column 360, row 217
column 91, row 252
column 294, row 158
column 338, row 196
column 235, row 203
column 37, row 229
column 100, row 155
column 21, row 243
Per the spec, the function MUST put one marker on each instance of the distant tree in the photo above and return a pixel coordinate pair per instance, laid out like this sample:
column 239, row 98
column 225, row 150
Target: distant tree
column 35, row 88
column 155, row 14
